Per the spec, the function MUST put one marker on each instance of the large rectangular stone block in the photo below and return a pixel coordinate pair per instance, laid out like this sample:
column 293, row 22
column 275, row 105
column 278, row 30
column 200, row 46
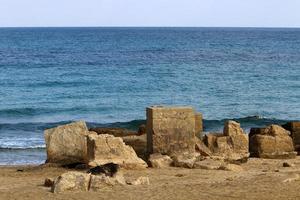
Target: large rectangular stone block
column 294, row 128
column 170, row 130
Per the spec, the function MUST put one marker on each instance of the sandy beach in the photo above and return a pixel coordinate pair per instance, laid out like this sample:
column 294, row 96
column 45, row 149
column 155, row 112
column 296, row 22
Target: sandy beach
column 260, row 179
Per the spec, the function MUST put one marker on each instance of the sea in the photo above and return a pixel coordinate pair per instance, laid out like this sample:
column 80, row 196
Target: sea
column 108, row 76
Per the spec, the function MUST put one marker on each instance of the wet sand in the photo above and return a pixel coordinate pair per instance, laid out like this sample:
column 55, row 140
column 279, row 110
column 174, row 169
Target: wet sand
column 260, row 179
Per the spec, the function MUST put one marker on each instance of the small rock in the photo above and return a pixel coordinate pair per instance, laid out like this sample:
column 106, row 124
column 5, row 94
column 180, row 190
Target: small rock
column 288, row 164
column 71, row 181
column 231, row 167
column 179, row 175
column 48, row 182
column 185, row 160
column 208, row 164
column 160, row 161
column 99, row 182
column 276, row 170
column 140, row 181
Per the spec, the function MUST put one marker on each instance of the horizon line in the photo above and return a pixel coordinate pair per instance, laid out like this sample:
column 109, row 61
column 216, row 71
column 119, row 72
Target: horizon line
column 254, row 27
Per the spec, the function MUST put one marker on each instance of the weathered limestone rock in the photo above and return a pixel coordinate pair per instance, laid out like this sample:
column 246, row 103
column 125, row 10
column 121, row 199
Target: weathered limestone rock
column 294, row 128
column 103, row 149
column 160, row 161
column 232, row 145
column 71, row 181
column 202, row 148
column 209, row 164
column 271, row 142
column 185, row 160
column 232, row 128
column 140, row 181
column 170, row 130
column 99, row 182
column 117, row 132
column 67, row 144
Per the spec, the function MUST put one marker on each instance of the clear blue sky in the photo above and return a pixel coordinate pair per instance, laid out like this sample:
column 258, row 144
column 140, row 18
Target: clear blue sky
column 249, row 13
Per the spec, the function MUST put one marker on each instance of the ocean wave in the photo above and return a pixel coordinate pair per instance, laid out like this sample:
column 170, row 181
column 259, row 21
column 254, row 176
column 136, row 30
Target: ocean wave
column 246, row 122
column 40, row 147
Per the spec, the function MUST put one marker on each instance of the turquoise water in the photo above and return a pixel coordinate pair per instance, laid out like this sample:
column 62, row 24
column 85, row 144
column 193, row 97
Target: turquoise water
column 51, row 76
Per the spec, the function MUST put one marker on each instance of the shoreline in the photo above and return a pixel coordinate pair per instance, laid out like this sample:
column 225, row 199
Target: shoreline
column 259, row 179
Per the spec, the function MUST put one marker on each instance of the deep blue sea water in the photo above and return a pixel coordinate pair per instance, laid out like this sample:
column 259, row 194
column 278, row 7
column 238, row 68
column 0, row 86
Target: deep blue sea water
column 51, row 76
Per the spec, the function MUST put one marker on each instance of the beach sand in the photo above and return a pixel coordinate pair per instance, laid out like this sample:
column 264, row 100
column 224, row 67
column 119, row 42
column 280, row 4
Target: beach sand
column 260, row 179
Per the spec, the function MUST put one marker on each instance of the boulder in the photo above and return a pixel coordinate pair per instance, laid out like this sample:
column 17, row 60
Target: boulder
column 160, row 161
column 71, row 181
column 271, row 142
column 185, row 160
column 99, row 182
column 117, row 132
column 209, row 164
column 67, row 144
column 140, row 181
column 294, row 128
column 170, row 130
column 232, row 145
column 103, row 149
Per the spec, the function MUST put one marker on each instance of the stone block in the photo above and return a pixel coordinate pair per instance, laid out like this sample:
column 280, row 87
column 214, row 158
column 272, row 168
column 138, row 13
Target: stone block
column 103, row 149
column 170, row 130
column 271, row 142
column 294, row 128
column 67, row 144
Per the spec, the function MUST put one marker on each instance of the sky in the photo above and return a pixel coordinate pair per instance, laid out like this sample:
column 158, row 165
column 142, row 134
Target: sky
column 195, row 13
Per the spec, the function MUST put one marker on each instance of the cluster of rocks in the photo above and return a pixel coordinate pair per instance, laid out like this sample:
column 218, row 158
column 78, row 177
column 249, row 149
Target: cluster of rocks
column 80, row 181
column 74, row 143
column 172, row 136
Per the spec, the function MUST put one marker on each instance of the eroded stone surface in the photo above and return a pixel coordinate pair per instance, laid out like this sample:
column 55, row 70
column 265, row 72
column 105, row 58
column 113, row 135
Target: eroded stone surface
column 103, row 149
column 294, row 128
column 185, row 160
column 71, row 181
column 99, row 182
column 170, row 130
column 232, row 145
column 160, row 161
column 67, row 144
column 271, row 142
